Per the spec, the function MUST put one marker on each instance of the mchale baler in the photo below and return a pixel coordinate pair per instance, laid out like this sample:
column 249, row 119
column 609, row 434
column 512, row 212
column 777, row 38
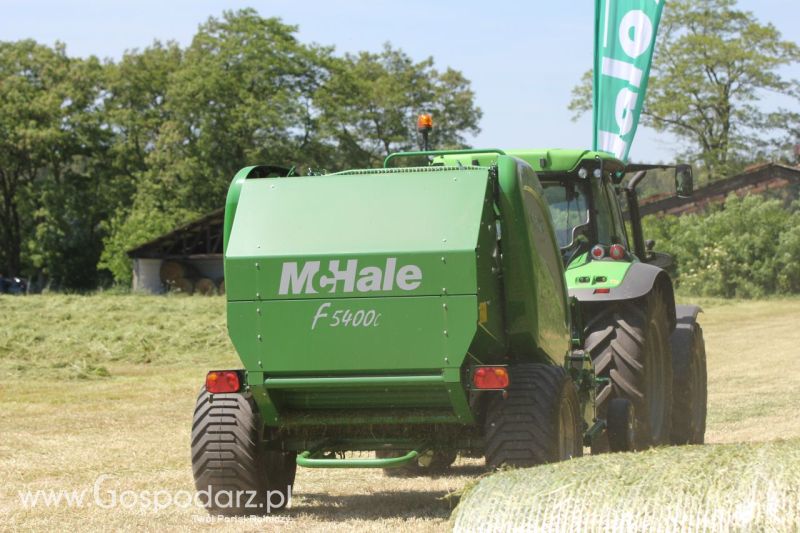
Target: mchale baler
column 489, row 303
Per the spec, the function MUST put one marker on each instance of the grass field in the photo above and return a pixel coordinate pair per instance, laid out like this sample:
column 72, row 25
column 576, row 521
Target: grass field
column 106, row 385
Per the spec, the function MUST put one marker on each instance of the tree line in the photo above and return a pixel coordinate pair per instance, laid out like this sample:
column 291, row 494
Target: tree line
column 97, row 157
column 748, row 249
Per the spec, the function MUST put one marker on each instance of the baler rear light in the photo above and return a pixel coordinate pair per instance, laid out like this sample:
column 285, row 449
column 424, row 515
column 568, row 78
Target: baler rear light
column 490, row 377
column 222, row 381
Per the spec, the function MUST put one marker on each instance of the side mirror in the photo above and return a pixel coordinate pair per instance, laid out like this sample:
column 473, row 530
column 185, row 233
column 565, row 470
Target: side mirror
column 684, row 181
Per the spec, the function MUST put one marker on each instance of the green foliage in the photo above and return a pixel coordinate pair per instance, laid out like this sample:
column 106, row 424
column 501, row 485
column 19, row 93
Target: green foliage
column 239, row 97
column 751, row 248
column 128, row 229
column 97, row 158
column 712, row 64
column 369, row 106
column 52, row 149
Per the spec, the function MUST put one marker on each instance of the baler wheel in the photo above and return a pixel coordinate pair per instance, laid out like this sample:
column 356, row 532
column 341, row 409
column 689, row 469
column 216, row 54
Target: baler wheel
column 629, row 345
column 539, row 422
column 689, row 385
column 230, row 461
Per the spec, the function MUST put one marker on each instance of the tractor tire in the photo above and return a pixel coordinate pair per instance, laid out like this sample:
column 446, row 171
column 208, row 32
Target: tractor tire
column 621, row 426
column 232, row 467
column 690, row 385
column 433, row 463
column 629, row 346
column 538, row 422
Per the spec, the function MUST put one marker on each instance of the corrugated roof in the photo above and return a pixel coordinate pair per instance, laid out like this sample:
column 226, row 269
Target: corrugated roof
column 186, row 238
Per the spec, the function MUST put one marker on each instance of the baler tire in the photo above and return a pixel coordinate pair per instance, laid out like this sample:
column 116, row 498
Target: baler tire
column 440, row 463
column 539, row 421
column 629, row 346
column 690, row 386
column 230, row 462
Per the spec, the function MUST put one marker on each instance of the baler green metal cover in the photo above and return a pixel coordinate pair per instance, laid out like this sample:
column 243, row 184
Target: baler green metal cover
column 356, row 273
column 370, row 289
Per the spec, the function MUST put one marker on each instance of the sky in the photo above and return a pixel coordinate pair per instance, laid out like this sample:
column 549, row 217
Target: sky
column 523, row 57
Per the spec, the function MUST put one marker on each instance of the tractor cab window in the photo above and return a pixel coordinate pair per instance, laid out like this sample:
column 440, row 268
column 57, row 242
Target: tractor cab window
column 620, row 231
column 569, row 208
column 603, row 215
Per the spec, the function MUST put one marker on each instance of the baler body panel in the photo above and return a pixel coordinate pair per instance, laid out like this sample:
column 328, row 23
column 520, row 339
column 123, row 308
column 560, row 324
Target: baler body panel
column 424, row 218
column 536, row 310
column 382, row 335
column 356, row 296
column 359, row 298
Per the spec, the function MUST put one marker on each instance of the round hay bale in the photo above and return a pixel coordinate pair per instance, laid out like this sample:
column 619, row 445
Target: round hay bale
column 182, row 286
column 735, row 487
column 172, row 271
column 205, row 286
column 221, row 286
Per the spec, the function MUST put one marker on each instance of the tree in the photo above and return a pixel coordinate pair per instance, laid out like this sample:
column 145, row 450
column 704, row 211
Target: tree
column 49, row 135
column 368, row 107
column 712, row 65
column 134, row 104
column 247, row 92
column 96, row 158
column 240, row 97
column 134, row 108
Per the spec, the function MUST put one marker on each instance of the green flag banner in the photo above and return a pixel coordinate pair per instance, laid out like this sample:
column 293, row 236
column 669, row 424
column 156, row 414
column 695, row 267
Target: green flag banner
column 625, row 37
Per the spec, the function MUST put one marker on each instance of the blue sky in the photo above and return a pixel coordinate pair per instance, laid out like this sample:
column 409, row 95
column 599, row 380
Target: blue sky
column 523, row 57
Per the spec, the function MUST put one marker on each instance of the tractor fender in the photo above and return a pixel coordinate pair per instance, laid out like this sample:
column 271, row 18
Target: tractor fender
column 681, row 338
column 639, row 281
column 686, row 315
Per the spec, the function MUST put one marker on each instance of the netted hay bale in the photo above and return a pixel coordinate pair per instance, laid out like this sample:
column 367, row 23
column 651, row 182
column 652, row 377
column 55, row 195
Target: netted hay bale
column 736, row 487
column 182, row 286
column 205, row 287
column 172, row 271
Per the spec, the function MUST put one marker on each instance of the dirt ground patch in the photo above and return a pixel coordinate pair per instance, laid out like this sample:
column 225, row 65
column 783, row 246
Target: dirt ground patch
column 63, row 428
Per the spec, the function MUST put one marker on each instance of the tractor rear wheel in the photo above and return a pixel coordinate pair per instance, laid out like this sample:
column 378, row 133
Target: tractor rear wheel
column 629, row 346
column 621, row 429
column 689, row 385
column 538, row 422
column 232, row 467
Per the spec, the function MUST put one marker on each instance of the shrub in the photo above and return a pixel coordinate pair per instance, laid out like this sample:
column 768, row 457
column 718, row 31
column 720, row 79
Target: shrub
column 749, row 248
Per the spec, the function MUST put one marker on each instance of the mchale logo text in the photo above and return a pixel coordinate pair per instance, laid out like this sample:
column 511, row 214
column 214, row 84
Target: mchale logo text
column 309, row 279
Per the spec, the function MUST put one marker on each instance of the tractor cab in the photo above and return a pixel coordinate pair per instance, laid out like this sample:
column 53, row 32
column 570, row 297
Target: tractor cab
column 585, row 195
column 579, row 187
column 580, row 190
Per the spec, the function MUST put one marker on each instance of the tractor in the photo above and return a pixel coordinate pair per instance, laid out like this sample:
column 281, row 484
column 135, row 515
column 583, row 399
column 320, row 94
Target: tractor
column 487, row 303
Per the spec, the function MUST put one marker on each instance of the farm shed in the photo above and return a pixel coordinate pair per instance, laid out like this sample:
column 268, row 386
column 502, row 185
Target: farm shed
column 188, row 258
column 777, row 179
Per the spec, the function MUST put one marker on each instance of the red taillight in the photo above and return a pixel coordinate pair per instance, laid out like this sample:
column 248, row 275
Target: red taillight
column 490, row 377
column 222, row 381
column 602, row 291
column 598, row 252
column 617, row 252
